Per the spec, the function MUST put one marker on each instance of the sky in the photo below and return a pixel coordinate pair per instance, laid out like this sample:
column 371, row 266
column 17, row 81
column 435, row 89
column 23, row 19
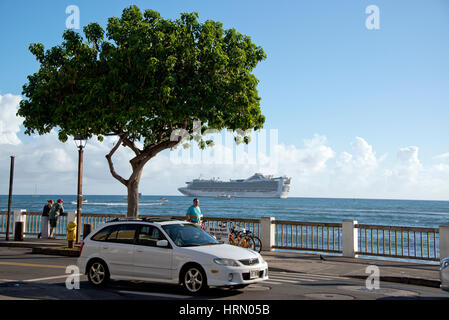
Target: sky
column 352, row 112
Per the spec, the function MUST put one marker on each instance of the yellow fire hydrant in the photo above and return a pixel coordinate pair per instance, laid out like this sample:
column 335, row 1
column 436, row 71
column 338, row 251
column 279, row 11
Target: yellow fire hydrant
column 71, row 233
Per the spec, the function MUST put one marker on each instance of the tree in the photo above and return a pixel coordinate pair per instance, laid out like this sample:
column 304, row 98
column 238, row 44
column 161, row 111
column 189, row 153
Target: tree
column 149, row 78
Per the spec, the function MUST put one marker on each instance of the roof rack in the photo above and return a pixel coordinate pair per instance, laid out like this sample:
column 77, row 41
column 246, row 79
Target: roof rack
column 145, row 219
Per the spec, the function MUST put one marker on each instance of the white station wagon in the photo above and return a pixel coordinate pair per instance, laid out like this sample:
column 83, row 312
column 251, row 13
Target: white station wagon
column 167, row 251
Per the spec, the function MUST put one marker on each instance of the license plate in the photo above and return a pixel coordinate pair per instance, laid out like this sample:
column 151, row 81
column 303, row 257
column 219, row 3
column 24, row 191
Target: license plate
column 254, row 274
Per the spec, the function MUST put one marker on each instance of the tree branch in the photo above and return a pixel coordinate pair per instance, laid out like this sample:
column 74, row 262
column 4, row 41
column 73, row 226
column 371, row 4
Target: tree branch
column 132, row 146
column 111, row 165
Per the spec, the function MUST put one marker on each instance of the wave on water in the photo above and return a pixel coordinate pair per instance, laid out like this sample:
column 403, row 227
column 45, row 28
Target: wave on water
column 361, row 210
column 110, row 204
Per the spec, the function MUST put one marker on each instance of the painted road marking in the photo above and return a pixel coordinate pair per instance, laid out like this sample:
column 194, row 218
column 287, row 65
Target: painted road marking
column 290, row 278
column 55, row 277
column 313, row 276
column 156, row 294
column 283, row 280
column 270, row 282
column 18, row 264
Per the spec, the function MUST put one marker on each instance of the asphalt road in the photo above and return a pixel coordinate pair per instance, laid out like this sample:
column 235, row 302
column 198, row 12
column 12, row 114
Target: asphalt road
column 31, row 276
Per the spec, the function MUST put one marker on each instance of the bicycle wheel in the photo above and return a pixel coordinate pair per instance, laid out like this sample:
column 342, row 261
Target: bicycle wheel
column 257, row 244
column 246, row 241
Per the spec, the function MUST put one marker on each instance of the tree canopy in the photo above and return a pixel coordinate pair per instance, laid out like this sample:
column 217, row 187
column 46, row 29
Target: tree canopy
column 141, row 79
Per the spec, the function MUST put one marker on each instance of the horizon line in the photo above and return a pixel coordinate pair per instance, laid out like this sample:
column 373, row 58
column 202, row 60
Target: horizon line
column 162, row 195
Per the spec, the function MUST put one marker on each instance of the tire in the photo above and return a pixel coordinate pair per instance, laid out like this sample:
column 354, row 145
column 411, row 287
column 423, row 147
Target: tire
column 257, row 244
column 194, row 280
column 98, row 273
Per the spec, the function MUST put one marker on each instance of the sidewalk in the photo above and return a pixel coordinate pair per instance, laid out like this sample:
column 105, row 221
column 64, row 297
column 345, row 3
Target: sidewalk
column 43, row 246
column 389, row 271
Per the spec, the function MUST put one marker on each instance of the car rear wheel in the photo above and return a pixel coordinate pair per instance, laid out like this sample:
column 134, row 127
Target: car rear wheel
column 98, row 273
column 194, row 280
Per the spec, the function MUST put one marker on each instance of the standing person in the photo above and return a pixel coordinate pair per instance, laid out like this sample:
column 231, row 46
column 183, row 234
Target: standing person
column 194, row 212
column 56, row 210
column 44, row 220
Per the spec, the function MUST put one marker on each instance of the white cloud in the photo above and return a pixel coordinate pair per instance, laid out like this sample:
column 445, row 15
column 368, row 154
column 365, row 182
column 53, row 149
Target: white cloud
column 317, row 170
column 409, row 165
column 9, row 122
column 444, row 156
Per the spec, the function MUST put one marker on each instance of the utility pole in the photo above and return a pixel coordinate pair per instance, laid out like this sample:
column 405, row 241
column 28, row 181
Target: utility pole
column 11, row 179
column 80, row 194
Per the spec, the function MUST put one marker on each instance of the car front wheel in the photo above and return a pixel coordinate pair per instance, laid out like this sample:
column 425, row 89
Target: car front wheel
column 194, row 280
column 98, row 273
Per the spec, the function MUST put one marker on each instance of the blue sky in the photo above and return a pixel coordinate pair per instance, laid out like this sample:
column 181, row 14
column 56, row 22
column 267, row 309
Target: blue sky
column 325, row 74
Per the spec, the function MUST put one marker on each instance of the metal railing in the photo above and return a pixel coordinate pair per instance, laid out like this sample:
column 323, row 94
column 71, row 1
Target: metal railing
column 308, row 236
column 398, row 242
column 373, row 240
column 33, row 224
column 252, row 225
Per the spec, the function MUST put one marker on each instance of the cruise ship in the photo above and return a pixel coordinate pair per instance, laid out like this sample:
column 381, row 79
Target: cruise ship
column 256, row 186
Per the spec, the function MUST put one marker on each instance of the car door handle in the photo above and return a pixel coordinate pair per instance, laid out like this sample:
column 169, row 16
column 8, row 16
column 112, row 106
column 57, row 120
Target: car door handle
column 105, row 247
column 139, row 250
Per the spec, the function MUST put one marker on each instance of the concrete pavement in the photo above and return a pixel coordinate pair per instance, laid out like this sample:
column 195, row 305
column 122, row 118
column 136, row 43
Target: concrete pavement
column 331, row 265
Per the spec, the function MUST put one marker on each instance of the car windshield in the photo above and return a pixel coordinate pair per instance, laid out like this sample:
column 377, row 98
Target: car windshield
column 188, row 235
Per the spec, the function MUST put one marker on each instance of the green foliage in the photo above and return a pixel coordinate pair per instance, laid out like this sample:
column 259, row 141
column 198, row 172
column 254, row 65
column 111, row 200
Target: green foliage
column 142, row 78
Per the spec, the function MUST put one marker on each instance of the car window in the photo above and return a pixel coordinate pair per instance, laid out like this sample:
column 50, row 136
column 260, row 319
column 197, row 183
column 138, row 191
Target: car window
column 188, row 235
column 103, row 234
column 149, row 235
column 125, row 233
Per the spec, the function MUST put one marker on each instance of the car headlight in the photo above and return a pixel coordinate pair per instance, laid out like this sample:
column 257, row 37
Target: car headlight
column 227, row 262
column 444, row 263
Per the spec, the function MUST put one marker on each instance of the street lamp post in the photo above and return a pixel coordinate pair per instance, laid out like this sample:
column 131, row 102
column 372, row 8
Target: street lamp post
column 11, row 179
column 80, row 142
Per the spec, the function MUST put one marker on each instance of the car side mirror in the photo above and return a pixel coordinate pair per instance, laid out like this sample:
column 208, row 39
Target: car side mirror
column 162, row 243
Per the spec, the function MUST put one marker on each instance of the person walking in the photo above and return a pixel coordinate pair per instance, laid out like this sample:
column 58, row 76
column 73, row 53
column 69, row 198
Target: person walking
column 44, row 220
column 194, row 214
column 56, row 210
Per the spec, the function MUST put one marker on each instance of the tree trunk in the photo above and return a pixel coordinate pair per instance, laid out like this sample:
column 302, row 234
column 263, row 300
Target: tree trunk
column 133, row 193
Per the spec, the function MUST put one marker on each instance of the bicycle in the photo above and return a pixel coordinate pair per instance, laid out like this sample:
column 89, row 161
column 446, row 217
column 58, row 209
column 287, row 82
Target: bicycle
column 244, row 238
column 257, row 243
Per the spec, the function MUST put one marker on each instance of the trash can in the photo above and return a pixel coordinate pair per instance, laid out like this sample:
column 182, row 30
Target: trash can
column 19, row 216
column 45, row 227
column 18, row 231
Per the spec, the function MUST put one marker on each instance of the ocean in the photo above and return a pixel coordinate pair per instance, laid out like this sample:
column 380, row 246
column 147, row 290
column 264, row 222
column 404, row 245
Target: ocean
column 410, row 213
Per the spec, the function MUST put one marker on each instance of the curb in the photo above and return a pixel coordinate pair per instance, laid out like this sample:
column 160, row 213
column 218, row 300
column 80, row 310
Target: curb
column 56, row 251
column 25, row 245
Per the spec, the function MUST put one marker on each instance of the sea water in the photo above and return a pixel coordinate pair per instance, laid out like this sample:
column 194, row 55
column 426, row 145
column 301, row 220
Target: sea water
column 410, row 213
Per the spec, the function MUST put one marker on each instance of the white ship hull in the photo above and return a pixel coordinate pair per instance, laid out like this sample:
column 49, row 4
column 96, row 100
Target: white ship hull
column 256, row 186
column 249, row 194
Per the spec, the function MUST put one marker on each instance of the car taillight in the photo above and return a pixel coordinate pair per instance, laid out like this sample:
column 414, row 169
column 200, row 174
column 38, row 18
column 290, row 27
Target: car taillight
column 81, row 247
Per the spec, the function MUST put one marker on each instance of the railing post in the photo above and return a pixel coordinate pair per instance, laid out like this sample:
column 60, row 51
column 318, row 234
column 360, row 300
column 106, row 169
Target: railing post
column 267, row 233
column 19, row 216
column 444, row 242
column 350, row 239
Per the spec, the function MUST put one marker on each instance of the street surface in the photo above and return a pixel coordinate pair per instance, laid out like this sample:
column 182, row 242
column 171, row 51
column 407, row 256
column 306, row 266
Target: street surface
column 32, row 276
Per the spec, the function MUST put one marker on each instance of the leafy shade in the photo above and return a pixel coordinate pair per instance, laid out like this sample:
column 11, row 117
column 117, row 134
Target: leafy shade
column 141, row 79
